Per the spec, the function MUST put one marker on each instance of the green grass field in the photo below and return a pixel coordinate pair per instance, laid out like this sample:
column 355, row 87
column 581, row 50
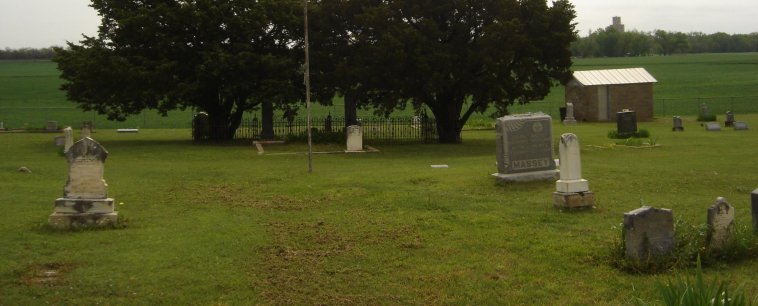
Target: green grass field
column 222, row 225
column 29, row 94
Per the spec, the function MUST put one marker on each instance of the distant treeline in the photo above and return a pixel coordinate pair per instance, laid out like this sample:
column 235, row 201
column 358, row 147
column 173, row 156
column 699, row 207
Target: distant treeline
column 27, row 54
column 611, row 43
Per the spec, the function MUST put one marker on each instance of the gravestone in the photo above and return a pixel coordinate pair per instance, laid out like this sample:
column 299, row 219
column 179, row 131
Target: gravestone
column 59, row 141
column 704, row 110
column 678, row 126
column 712, row 126
column 721, row 224
column 354, row 138
column 51, row 126
column 572, row 191
column 525, row 148
column 648, row 233
column 626, row 122
column 754, row 209
column 68, row 133
column 729, row 119
column 86, row 130
column 569, row 120
column 201, row 126
column 85, row 199
column 740, row 126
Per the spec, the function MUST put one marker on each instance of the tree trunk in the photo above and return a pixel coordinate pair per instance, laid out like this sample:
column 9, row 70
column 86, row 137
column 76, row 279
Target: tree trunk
column 351, row 112
column 448, row 126
column 223, row 122
column 267, row 115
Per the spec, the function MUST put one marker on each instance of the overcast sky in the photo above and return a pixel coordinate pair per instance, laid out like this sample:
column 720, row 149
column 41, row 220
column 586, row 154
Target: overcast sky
column 44, row 23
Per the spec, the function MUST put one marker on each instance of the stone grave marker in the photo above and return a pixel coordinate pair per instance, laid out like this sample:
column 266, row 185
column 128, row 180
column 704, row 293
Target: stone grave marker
column 626, row 122
column 704, row 110
column 525, row 148
column 754, row 209
column 740, row 126
column 86, row 130
column 569, row 120
column 354, row 138
column 678, row 126
column 729, row 119
column 712, row 126
column 649, row 232
column 51, row 126
column 721, row 223
column 59, row 141
column 68, row 133
column 85, row 199
column 572, row 191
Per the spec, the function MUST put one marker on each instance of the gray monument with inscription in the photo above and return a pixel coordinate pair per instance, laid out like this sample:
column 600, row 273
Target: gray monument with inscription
column 649, row 233
column 85, row 199
column 525, row 148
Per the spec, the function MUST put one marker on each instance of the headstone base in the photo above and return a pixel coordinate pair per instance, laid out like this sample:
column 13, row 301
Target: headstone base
column 80, row 206
column 569, row 121
column 677, row 129
column 574, row 200
column 571, row 186
column 546, row 175
column 67, row 221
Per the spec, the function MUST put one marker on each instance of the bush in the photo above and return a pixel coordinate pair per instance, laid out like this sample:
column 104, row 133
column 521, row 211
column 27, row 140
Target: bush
column 686, row 291
column 641, row 133
column 706, row 118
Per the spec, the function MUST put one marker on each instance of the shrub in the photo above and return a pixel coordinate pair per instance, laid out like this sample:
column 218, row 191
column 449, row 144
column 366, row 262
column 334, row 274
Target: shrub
column 686, row 291
column 641, row 133
column 706, row 118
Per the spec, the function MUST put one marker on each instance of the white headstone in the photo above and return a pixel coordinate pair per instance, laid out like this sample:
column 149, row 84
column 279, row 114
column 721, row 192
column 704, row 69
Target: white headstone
column 354, row 138
column 712, row 126
column 68, row 133
column 740, row 125
column 571, row 166
column 85, row 171
column 721, row 223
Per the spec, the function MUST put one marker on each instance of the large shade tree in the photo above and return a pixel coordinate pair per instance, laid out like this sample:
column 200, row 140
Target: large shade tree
column 455, row 57
column 223, row 57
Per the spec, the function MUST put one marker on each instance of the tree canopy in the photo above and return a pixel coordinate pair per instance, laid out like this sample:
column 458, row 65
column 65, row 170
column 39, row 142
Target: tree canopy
column 456, row 57
column 223, row 57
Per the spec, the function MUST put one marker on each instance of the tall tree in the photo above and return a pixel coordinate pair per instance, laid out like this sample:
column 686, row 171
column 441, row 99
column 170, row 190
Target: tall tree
column 455, row 57
column 223, row 57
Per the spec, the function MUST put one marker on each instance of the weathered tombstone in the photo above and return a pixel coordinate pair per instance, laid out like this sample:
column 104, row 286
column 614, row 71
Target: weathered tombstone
column 729, row 119
column 85, row 199
column 86, row 130
column 201, row 126
column 626, row 122
column 754, row 209
column 712, row 126
column 59, row 141
column 569, row 120
column 721, row 223
column 68, row 133
column 740, row 126
column 704, row 110
column 572, row 191
column 354, row 138
column 678, row 126
column 648, row 233
column 51, row 126
column 525, row 148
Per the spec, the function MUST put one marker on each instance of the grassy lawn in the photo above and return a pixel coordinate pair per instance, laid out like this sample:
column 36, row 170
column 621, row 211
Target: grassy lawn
column 223, row 225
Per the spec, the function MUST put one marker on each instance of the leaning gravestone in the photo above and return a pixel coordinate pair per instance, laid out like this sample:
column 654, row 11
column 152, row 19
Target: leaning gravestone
column 626, row 122
column 68, row 133
column 569, row 120
column 721, row 223
column 572, row 191
column 740, row 126
column 354, row 138
column 712, row 126
column 729, row 119
column 754, row 209
column 678, row 126
column 648, row 233
column 525, row 148
column 85, row 199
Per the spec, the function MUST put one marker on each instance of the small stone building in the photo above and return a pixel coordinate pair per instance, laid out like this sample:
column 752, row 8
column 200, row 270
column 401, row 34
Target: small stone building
column 599, row 94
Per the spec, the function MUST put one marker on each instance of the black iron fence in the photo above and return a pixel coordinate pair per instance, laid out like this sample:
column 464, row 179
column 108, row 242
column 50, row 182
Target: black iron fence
column 395, row 130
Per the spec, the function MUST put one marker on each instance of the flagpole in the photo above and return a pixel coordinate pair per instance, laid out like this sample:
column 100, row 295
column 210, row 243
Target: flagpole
column 307, row 78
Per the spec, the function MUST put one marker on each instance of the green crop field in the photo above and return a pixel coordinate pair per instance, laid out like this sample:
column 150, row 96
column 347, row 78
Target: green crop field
column 29, row 94
column 223, row 225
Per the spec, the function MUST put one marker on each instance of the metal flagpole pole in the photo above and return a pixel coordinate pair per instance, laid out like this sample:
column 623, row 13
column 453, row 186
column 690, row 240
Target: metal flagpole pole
column 308, row 87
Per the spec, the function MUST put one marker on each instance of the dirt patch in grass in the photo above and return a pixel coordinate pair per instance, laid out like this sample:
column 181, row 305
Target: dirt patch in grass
column 47, row 274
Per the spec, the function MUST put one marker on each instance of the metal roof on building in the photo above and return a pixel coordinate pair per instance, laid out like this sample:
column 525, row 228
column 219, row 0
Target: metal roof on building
column 614, row 77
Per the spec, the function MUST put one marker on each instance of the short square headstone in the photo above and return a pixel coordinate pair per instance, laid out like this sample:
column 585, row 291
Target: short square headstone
column 51, row 126
column 354, row 138
column 524, row 148
column 626, row 122
column 678, row 126
column 712, row 126
column 754, row 209
column 572, row 191
column 59, row 141
column 569, row 119
column 649, row 232
column 729, row 119
column 740, row 126
column 85, row 199
column 721, row 224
